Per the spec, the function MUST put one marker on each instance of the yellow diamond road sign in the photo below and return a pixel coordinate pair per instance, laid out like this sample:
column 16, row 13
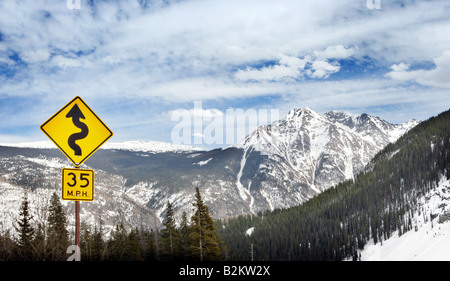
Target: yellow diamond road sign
column 77, row 131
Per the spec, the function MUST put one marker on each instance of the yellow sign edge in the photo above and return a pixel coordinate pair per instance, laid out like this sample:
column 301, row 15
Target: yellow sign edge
column 77, row 164
column 77, row 169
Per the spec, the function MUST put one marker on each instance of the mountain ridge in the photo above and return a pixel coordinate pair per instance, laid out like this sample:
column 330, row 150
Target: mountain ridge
column 295, row 157
column 133, row 145
column 317, row 150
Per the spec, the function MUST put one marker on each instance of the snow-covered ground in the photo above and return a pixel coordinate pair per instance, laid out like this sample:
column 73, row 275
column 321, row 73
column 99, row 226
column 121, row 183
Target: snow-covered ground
column 427, row 244
column 431, row 241
column 142, row 146
column 150, row 146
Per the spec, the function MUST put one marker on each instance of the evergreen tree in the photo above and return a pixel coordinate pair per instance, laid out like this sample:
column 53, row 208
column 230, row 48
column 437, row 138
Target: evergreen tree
column 204, row 242
column 97, row 244
column 133, row 246
column 24, row 242
column 40, row 243
column 170, row 238
column 57, row 234
column 85, row 241
column 117, row 243
column 6, row 246
column 149, row 245
column 184, row 231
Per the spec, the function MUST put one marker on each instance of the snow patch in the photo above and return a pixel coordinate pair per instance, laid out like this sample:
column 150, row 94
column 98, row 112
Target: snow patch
column 431, row 241
column 249, row 231
column 201, row 163
column 138, row 146
column 149, row 146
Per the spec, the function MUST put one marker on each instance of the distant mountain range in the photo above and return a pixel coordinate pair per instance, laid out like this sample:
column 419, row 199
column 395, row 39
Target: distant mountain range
column 277, row 166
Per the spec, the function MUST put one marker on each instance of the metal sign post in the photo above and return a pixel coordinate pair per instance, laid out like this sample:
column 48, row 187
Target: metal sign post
column 77, row 230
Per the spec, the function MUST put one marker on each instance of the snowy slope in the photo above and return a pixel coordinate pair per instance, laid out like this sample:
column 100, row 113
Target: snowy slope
column 35, row 144
column 431, row 241
column 149, row 146
column 40, row 176
column 138, row 146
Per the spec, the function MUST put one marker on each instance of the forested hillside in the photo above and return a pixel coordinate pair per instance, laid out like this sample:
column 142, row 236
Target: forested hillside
column 194, row 240
column 336, row 224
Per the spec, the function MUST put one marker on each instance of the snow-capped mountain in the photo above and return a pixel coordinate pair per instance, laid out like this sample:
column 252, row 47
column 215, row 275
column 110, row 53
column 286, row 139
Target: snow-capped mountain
column 307, row 153
column 277, row 166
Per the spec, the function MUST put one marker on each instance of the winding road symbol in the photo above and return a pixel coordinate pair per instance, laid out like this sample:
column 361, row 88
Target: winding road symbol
column 75, row 113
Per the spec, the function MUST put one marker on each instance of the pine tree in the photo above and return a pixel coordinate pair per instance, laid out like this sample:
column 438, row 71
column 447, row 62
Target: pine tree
column 85, row 242
column 57, row 234
column 184, row 231
column 133, row 246
column 203, row 236
column 117, row 243
column 97, row 244
column 24, row 242
column 40, row 243
column 6, row 246
column 170, row 238
column 149, row 245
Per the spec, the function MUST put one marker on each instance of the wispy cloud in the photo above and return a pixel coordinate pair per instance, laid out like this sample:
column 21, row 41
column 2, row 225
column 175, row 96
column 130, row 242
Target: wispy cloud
column 316, row 65
column 144, row 58
column 436, row 77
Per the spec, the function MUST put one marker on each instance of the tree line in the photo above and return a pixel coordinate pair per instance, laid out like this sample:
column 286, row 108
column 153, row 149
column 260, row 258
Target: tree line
column 193, row 240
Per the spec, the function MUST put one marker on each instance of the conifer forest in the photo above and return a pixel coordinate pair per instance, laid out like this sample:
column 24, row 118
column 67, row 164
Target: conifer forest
column 195, row 239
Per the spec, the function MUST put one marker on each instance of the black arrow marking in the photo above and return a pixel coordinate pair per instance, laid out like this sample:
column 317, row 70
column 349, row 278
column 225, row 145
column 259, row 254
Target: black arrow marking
column 75, row 113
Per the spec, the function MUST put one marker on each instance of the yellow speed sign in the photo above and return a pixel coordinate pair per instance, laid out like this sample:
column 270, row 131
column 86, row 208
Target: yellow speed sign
column 77, row 184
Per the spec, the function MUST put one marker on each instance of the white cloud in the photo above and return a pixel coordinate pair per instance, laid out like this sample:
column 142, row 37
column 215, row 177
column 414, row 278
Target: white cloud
column 323, row 69
column 198, row 111
column 437, row 77
column 65, row 62
column 400, row 67
column 287, row 68
column 7, row 61
column 35, row 56
column 314, row 65
column 336, row 52
column 208, row 50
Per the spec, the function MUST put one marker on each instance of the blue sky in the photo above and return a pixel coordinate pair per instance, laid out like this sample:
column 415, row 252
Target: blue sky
column 134, row 62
